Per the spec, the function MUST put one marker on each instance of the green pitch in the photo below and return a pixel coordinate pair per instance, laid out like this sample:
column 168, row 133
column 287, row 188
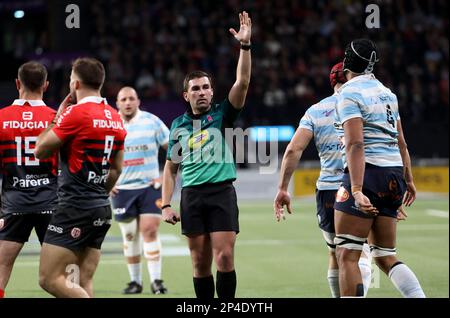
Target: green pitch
column 286, row 259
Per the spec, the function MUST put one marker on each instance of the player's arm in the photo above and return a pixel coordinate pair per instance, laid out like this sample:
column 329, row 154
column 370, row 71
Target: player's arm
column 410, row 194
column 354, row 150
column 48, row 142
column 238, row 91
column 115, row 170
column 292, row 155
column 168, row 186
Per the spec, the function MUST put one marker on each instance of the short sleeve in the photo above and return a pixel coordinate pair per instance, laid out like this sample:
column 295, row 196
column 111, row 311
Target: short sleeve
column 163, row 133
column 230, row 113
column 68, row 124
column 173, row 140
column 348, row 106
column 306, row 121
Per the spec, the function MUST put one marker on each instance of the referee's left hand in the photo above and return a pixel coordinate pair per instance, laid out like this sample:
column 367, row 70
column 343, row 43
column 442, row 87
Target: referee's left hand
column 170, row 216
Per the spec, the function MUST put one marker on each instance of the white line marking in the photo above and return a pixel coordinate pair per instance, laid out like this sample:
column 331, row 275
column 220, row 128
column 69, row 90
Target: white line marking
column 437, row 213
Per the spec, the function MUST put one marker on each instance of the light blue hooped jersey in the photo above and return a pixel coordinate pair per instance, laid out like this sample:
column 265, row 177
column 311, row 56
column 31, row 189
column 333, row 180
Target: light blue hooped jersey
column 319, row 119
column 145, row 134
column 366, row 97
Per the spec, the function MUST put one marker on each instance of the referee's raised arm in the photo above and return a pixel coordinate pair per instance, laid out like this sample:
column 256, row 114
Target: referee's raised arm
column 238, row 91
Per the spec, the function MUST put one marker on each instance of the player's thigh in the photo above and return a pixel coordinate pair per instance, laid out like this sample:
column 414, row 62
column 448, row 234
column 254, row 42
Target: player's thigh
column 89, row 260
column 9, row 251
column 199, row 244
column 351, row 224
column 223, row 241
column 383, row 232
column 56, row 260
column 149, row 223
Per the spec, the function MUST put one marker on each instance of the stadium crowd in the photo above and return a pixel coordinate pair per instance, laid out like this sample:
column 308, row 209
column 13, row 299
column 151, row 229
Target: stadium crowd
column 151, row 45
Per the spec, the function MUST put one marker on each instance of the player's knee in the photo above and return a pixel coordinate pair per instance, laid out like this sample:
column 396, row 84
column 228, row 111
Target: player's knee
column 150, row 233
column 385, row 263
column 349, row 248
column 45, row 281
column 384, row 257
column 224, row 260
column 129, row 230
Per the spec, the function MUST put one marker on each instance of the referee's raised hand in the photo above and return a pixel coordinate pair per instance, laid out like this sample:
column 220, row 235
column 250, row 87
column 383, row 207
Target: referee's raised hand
column 245, row 29
column 170, row 216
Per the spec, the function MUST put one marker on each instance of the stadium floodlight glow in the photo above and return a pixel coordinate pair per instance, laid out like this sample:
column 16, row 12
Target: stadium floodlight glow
column 271, row 133
column 19, row 14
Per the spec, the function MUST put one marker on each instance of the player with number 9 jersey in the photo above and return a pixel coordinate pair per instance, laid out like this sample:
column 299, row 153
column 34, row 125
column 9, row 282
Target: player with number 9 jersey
column 91, row 132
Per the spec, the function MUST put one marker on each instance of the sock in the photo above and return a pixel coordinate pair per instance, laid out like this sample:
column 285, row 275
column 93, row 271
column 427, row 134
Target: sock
column 405, row 281
column 135, row 272
column 2, row 293
column 152, row 252
column 365, row 267
column 226, row 284
column 204, row 287
column 333, row 282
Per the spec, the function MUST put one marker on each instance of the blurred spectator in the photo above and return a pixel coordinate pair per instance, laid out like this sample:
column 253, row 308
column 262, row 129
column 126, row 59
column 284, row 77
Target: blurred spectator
column 151, row 44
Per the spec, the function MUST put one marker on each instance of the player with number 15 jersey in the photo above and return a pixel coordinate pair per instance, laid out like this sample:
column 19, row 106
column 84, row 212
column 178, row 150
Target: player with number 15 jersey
column 29, row 184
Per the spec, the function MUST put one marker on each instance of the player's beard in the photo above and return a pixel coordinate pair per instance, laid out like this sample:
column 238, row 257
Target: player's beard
column 73, row 97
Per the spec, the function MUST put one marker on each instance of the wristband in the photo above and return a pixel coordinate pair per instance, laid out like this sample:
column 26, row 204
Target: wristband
column 165, row 206
column 246, row 47
column 356, row 192
column 356, row 188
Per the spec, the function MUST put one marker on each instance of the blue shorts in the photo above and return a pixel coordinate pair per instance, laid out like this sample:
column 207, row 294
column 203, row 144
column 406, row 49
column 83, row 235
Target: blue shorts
column 128, row 204
column 384, row 186
column 325, row 209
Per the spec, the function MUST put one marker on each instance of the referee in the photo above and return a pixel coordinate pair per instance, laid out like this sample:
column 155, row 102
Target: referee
column 209, row 211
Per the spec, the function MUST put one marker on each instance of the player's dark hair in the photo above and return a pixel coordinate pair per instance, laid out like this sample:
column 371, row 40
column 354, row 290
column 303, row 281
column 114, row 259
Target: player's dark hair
column 32, row 75
column 360, row 56
column 90, row 71
column 195, row 74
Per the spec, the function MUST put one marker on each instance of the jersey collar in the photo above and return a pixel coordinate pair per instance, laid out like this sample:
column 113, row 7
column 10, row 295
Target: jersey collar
column 93, row 99
column 21, row 102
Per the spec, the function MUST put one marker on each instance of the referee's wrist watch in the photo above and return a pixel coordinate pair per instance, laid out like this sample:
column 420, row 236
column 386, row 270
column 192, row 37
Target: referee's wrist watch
column 165, row 206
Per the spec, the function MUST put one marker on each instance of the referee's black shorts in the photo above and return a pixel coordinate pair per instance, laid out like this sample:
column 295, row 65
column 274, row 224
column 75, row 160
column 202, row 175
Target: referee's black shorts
column 210, row 207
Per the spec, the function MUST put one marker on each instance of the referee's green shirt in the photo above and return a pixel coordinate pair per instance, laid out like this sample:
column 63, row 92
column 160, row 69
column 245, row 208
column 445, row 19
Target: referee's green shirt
column 197, row 143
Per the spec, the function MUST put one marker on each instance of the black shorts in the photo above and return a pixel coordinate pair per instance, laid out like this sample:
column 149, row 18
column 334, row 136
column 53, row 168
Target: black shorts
column 209, row 208
column 18, row 227
column 76, row 229
column 128, row 204
column 325, row 209
column 384, row 186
